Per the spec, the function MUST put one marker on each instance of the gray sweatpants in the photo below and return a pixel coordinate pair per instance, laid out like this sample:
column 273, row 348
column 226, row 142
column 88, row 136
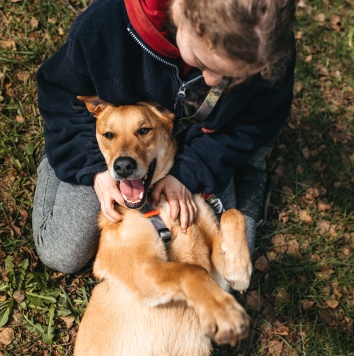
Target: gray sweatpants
column 65, row 219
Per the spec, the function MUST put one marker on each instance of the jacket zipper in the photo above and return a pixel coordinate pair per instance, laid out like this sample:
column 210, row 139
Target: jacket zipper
column 181, row 94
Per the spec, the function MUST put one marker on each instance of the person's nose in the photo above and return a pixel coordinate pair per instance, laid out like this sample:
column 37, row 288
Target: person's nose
column 211, row 78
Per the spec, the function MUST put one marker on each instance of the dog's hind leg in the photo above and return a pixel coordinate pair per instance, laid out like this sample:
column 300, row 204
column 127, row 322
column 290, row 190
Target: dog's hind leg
column 237, row 267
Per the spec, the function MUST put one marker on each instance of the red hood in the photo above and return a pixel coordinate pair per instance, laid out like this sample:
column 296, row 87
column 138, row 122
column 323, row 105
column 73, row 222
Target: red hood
column 148, row 18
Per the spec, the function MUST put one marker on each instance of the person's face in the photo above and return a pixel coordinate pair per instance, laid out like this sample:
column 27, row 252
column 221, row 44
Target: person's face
column 198, row 52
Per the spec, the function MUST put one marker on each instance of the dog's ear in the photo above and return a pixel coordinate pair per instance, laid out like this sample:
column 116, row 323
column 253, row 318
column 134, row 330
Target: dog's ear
column 93, row 103
column 166, row 113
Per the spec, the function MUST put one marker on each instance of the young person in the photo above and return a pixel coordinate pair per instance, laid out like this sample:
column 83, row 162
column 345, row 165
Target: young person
column 125, row 51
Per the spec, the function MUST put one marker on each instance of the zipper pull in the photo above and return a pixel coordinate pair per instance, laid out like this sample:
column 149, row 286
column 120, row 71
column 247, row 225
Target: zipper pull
column 181, row 93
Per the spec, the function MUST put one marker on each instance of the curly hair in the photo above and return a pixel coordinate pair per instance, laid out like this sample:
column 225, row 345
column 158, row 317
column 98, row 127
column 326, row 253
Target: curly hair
column 258, row 32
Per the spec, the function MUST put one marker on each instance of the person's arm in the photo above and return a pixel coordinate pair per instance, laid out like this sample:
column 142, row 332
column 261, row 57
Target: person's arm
column 70, row 132
column 207, row 162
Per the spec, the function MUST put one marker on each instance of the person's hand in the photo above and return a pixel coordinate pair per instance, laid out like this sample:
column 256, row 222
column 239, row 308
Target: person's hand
column 179, row 198
column 108, row 193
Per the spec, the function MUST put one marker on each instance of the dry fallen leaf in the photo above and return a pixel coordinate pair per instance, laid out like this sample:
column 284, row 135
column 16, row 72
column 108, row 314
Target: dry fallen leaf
column 321, row 206
column 261, row 264
column 306, row 153
column 275, row 347
column 68, row 320
column 19, row 296
column 327, row 315
column 23, row 75
column 7, row 336
column 305, row 216
column 306, row 304
column 253, row 300
column 336, row 23
column 20, row 119
column 351, row 160
column 281, row 330
column 332, row 303
column 321, row 19
column 8, row 44
column 324, row 227
column 34, row 22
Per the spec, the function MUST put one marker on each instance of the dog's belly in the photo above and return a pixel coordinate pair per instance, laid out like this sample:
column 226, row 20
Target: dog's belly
column 123, row 326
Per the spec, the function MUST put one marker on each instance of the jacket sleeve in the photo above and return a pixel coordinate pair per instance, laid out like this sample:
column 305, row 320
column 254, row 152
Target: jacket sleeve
column 70, row 140
column 206, row 162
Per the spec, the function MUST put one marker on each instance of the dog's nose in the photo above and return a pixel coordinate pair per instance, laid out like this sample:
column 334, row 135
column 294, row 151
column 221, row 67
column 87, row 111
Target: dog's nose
column 124, row 166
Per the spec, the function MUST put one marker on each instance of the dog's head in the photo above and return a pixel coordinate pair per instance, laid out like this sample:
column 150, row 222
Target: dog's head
column 136, row 142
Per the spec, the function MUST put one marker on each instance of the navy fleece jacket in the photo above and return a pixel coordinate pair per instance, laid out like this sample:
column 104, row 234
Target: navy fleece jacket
column 112, row 51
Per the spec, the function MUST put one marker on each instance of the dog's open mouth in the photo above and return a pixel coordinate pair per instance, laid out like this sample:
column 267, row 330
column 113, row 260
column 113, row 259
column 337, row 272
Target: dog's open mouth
column 134, row 191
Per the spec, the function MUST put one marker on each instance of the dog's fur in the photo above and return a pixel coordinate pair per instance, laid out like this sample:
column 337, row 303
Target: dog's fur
column 153, row 301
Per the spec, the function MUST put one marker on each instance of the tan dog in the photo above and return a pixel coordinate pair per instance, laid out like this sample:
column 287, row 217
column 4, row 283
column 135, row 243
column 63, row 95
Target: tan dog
column 155, row 300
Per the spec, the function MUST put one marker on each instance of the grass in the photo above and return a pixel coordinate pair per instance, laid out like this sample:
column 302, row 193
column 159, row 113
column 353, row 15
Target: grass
column 301, row 296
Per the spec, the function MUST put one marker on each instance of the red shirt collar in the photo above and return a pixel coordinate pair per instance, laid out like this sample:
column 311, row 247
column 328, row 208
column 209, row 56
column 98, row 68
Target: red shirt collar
column 148, row 17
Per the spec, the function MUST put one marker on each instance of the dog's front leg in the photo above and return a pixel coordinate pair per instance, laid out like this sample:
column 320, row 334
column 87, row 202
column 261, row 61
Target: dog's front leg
column 221, row 317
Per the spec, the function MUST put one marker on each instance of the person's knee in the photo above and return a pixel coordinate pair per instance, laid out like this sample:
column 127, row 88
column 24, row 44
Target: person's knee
column 64, row 255
column 65, row 261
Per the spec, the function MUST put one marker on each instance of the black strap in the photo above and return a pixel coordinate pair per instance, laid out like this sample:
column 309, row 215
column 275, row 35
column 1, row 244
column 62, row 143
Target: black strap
column 205, row 109
column 159, row 225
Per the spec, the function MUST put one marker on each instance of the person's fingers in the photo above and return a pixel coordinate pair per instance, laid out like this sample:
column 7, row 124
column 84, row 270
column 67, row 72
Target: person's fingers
column 192, row 212
column 174, row 207
column 110, row 213
column 184, row 216
column 156, row 192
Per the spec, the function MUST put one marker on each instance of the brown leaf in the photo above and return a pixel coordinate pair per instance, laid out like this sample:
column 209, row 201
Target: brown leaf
column 7, row 336
column 336, row 23
column 283, row 217
column 253, row 300
column 332, row 303
column 34, row 22
column 2, row 255
column 321, row 19
column 306, row 304
column 308, row 58
column 305, row 216
column 323, row 71
column 275, row 347
column 327, row 315
column 282, row 330
column 324, row 227
column 23, row 75
column 68, row 320
column 306, row 153
column 351, row 160
column 19, row 296
column 20, row 119
column 321, row 206
column 261, row 264
column 8, row 44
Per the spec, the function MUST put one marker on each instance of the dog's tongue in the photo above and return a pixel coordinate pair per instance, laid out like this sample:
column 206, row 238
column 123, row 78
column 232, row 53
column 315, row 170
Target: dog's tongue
column 131, row 188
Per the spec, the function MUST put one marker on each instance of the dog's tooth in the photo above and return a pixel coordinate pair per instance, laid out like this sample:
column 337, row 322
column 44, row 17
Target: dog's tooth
column 124, row 197
column 141, row 195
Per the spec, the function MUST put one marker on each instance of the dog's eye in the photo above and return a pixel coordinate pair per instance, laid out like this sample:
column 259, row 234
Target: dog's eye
column 143, row 131
column 108, row 135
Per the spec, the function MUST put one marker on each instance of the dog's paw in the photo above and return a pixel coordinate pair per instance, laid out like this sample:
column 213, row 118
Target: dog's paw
column 237, row 270
column 224, row 320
